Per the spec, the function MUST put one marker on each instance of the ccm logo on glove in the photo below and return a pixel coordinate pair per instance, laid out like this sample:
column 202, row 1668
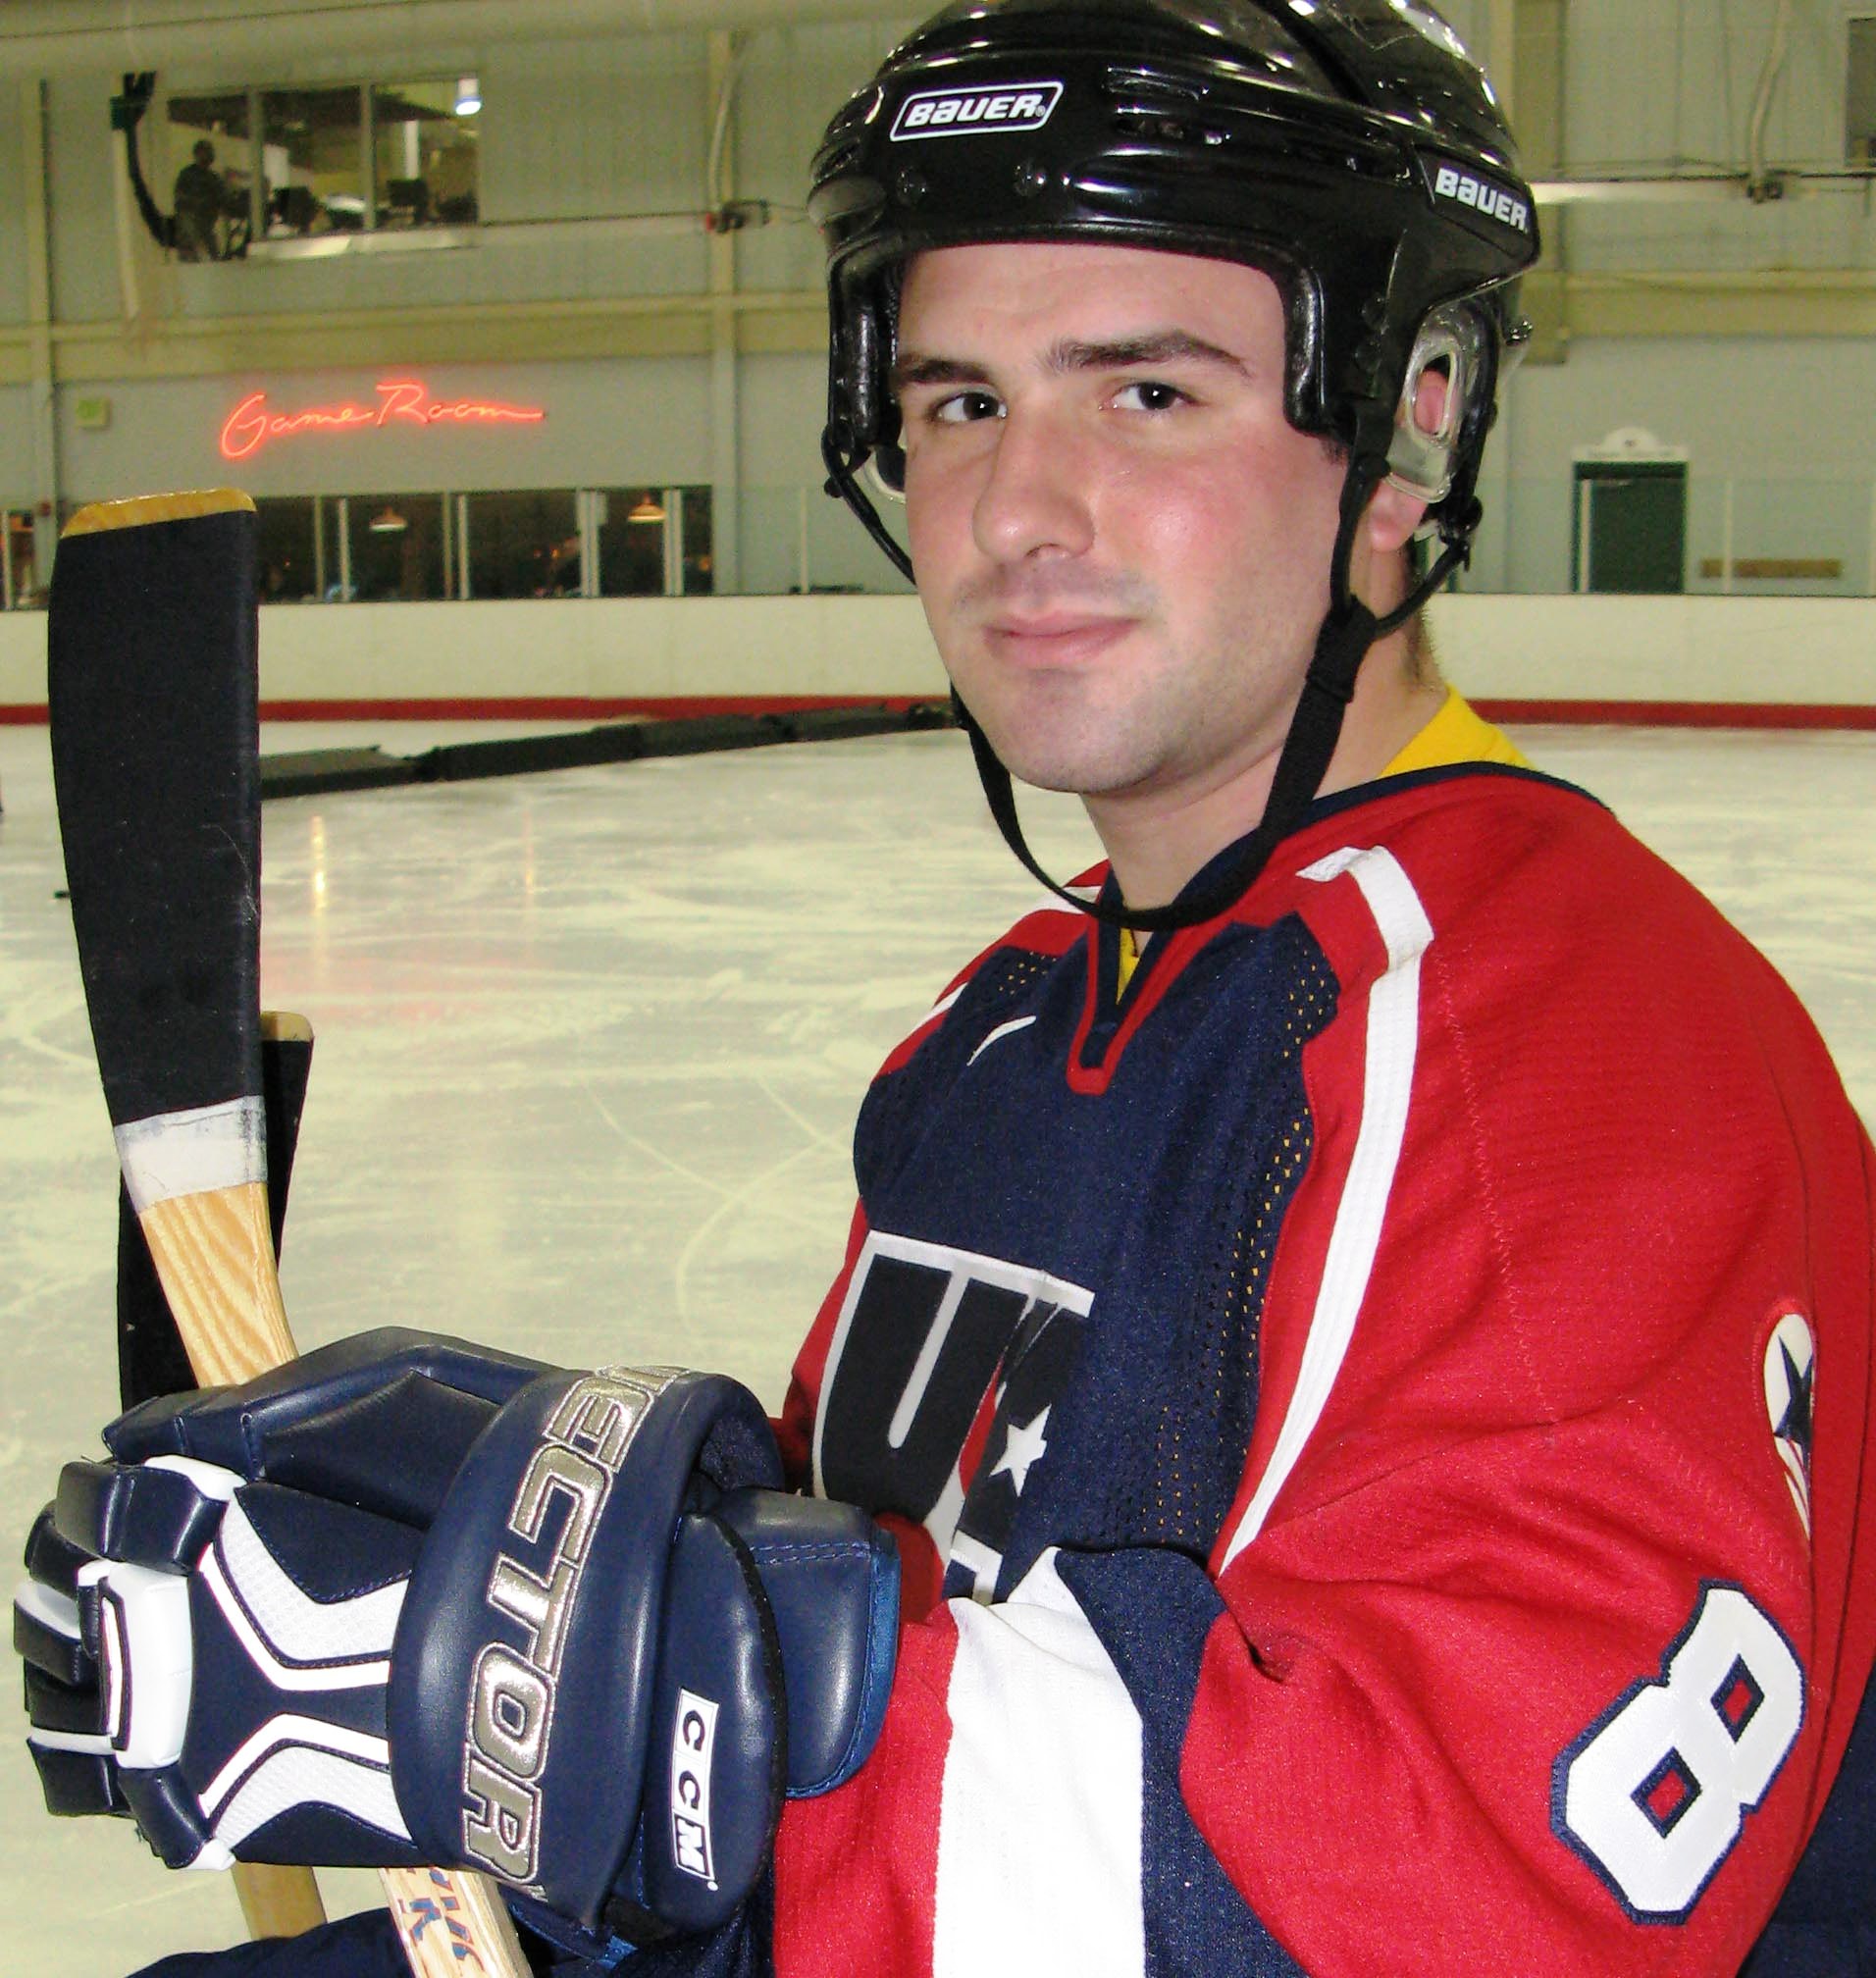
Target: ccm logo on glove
column 512, row 1694
column 692, row 1742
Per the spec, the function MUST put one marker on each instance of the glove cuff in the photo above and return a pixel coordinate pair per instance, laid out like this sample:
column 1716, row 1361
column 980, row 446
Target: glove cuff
column 521, row 1723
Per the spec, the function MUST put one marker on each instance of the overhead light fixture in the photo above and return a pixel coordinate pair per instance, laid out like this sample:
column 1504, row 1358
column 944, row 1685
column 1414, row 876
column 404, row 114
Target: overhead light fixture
column 468, row 95
column 647, row 508
column 387, row 522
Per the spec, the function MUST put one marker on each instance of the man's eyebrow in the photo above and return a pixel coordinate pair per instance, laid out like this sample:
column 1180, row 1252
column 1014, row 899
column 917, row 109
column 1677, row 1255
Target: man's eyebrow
column 1158, row 346
column 911, row 368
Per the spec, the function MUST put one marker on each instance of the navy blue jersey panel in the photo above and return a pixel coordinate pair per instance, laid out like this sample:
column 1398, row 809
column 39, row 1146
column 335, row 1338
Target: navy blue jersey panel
column 1153, row 1612
column 1825, row 1924
column 1006, row 987
column 1124, row 1368
column 364, row 1945
column 741, row 1949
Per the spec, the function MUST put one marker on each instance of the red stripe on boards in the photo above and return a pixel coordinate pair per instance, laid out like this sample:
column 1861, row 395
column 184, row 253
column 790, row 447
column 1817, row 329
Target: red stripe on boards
column 1767, row 715
column 1678, row 713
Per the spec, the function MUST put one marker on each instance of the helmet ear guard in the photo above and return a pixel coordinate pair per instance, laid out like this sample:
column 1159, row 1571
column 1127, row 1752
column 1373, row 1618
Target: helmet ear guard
column 1423, row 461
column 885, row 468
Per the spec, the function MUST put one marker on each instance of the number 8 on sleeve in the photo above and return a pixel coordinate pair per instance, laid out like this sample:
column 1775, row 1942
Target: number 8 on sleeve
column 1655, row 1795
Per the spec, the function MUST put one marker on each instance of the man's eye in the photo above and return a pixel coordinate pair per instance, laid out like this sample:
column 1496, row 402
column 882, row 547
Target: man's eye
column 1149, row 395
column 964, row 408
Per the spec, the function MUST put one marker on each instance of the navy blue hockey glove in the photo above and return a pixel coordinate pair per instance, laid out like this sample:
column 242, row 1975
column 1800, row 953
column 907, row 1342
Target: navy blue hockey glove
column 409, row 1601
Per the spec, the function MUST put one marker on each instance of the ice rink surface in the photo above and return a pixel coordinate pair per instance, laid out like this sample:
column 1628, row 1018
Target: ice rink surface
column 590, row 1048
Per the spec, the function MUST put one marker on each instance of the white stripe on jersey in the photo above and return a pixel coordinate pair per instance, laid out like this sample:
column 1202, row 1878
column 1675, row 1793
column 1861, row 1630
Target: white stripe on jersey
column 1039, row 1829
column 1393, row 1039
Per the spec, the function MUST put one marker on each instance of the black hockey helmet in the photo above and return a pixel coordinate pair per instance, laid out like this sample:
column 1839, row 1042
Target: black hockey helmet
column 1352, row 149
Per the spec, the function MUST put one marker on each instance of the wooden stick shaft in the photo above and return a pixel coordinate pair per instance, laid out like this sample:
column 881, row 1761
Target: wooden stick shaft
column 214, row 1253
column 204, row 1250
column 277, row 1901
column 215, row 1256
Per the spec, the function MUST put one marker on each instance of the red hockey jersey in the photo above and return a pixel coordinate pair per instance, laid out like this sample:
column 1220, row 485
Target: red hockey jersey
column 1376, row 1420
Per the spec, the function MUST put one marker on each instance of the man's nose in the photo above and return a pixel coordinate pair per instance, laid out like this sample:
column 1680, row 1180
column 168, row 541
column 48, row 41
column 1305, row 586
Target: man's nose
column 1035, row 497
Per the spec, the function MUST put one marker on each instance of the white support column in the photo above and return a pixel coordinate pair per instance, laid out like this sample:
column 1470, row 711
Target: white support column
column 1501, row 54
column 1872, row 539
column 367, row 156
column 586, row 507
column 45, row 406
column 725, row 447
column 672, row 535
column 256, row 168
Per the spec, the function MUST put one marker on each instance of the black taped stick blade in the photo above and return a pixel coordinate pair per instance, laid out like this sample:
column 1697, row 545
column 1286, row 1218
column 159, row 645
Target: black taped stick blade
column 153, row 690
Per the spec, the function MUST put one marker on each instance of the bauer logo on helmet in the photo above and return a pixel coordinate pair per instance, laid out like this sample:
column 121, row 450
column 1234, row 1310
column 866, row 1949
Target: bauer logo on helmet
column 1006, row 107
column 1494, row 201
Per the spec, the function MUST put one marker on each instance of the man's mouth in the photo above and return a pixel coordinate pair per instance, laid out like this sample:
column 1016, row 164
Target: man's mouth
column 1054, row 637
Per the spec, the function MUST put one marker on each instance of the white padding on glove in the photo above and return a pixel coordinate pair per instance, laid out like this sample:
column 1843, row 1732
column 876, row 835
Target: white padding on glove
column 296, row 1641
column 143, row 1624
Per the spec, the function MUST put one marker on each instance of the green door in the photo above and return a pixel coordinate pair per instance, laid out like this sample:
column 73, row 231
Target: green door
column 1631, row 525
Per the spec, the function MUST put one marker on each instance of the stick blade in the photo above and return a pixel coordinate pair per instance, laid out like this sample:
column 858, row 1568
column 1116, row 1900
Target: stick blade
column 153, row 650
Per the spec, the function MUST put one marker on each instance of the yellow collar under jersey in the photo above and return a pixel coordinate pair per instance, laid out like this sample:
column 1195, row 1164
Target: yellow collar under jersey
column 1455, row 735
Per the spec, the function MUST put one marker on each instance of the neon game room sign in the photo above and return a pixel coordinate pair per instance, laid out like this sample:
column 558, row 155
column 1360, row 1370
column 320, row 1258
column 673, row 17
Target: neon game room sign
column 400, row 401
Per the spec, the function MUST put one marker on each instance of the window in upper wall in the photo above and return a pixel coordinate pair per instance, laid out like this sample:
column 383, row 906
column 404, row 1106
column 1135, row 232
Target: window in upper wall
column 1859, row 101
column 312, row 161
column 629, row 525
column 424, row 152
column 290, row 161
column 211, row 143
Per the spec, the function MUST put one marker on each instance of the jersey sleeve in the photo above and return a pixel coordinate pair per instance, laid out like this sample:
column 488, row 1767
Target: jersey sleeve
column 1537, row 1632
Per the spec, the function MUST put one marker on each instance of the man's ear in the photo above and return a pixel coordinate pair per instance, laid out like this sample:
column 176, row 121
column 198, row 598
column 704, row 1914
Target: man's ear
column 1394, row 514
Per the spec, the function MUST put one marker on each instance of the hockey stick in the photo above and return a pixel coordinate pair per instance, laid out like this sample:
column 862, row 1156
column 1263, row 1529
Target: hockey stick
column 153, row 689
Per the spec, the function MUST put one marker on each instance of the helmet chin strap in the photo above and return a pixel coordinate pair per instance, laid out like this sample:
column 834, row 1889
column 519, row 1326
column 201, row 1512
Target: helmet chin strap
column 1347, row 633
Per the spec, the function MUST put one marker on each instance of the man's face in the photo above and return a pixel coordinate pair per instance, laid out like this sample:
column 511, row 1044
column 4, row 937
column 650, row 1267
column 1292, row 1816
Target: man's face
column 1122, row 545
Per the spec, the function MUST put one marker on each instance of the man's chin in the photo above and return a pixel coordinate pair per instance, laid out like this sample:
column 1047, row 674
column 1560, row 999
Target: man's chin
column 1074, row 750
column 1073, row 772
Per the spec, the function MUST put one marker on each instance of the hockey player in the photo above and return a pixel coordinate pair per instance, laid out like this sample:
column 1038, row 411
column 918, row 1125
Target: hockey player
column 1358, row 1319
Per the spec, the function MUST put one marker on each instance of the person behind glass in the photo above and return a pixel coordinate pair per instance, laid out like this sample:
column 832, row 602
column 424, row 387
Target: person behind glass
column 201, row 199
column 1358, row 1319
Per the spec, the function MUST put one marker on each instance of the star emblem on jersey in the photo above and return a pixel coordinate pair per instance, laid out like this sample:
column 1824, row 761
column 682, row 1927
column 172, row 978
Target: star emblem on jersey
column 1790, row 1378
column 1022, row 1445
